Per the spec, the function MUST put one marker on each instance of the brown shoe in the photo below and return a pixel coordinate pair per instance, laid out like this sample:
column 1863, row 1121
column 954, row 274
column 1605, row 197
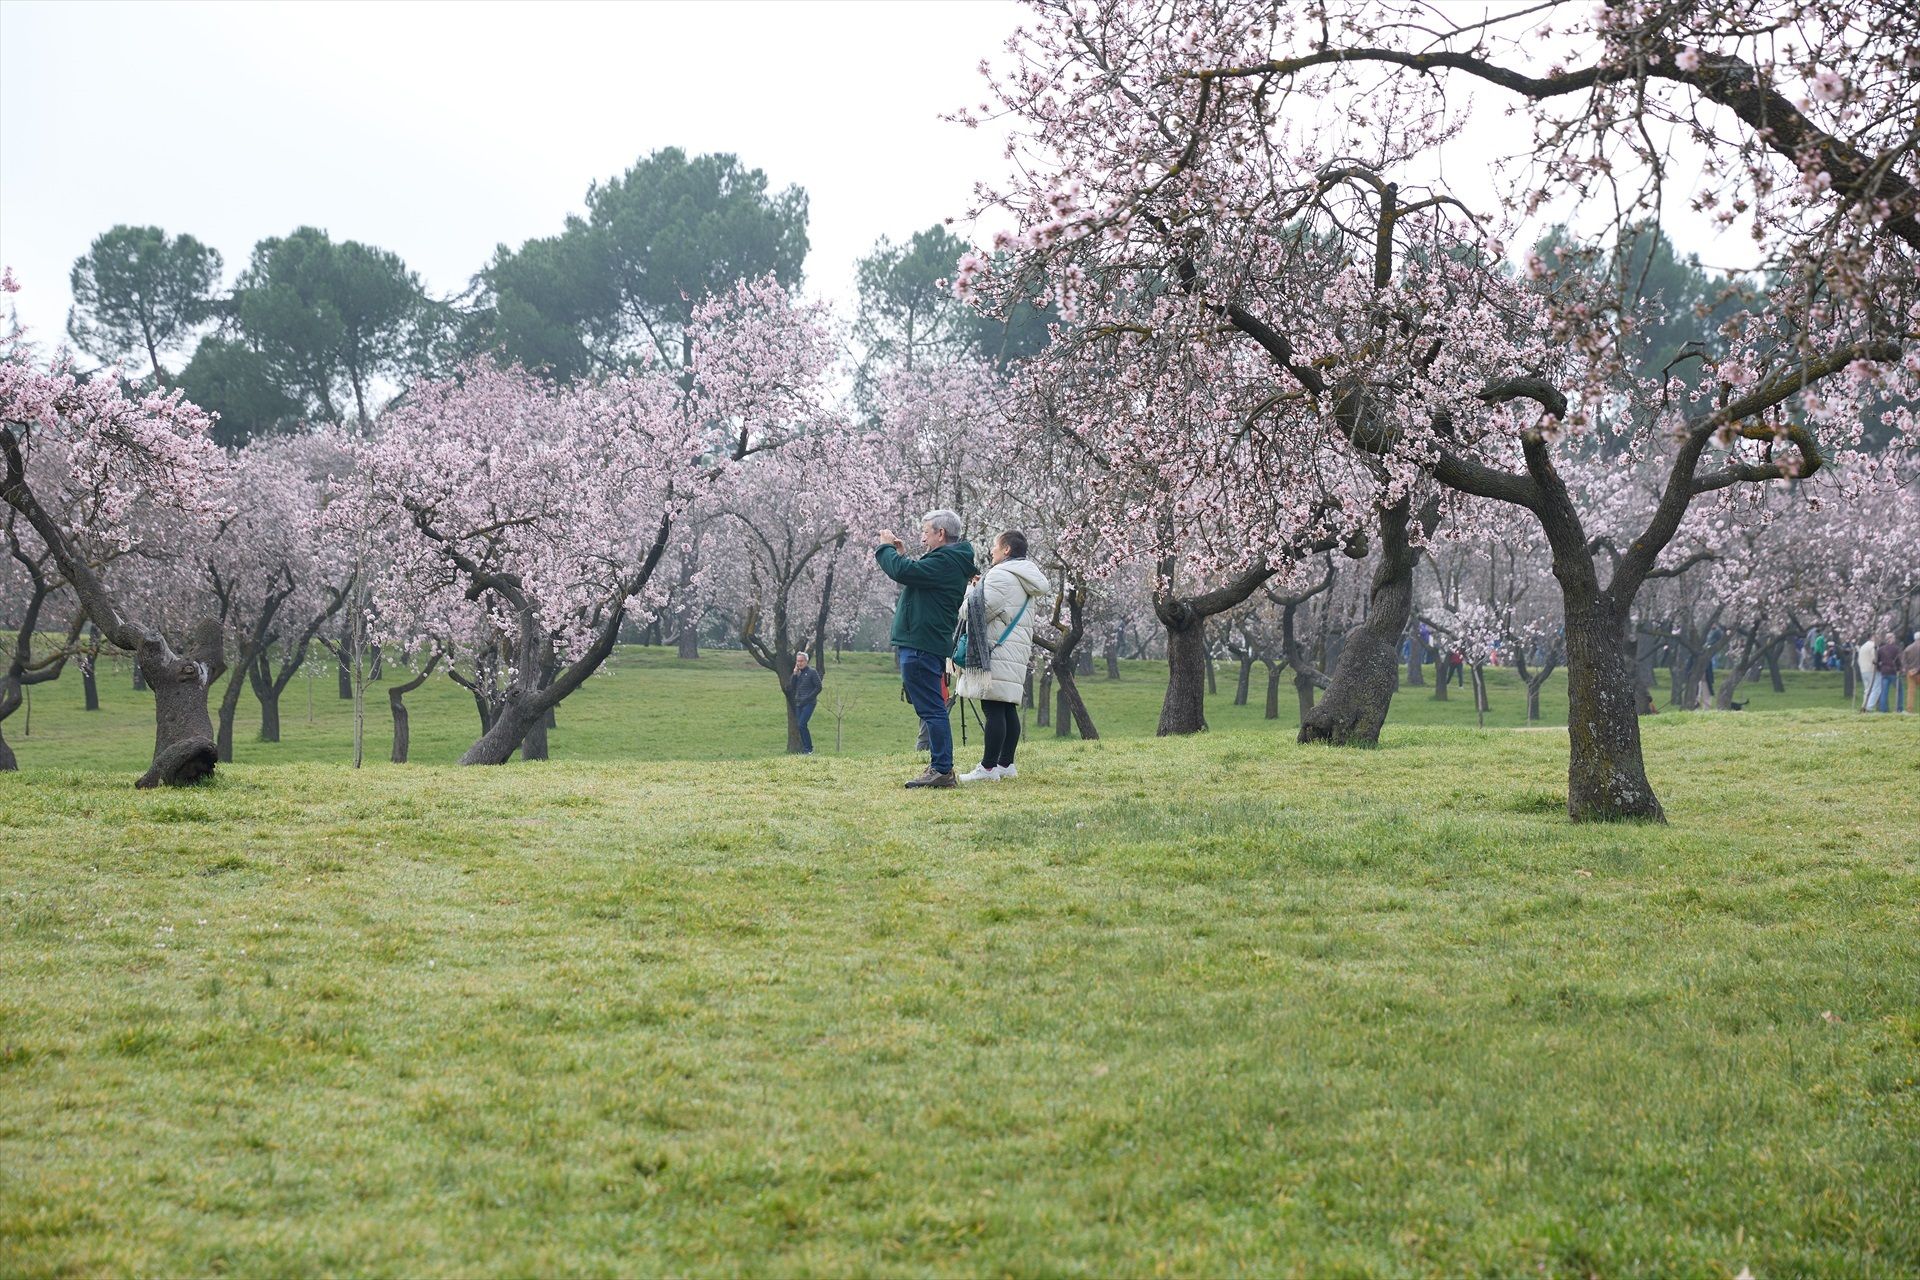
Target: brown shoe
column 932, row 779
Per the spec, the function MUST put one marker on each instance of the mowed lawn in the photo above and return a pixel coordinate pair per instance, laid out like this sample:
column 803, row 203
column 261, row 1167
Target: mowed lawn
column 650, row 706
column 1220, row 1005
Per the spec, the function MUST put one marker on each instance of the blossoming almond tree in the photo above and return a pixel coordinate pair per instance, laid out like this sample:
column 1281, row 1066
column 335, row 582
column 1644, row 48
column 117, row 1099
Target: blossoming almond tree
column 797, row 517
column 275, row 581
column 114, row 461
column 550, row 508
column 1201, row 142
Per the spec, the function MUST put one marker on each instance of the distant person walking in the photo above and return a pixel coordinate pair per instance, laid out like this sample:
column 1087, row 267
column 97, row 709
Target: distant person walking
column 1910, row 663
column 1863, row 664
column 999, row 615
column 1886, row 669
column 806, row 693
column 932, row 587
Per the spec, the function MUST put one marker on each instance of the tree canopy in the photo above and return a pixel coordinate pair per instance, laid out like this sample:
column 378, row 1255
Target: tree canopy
column 622, row 281
column 138, row 294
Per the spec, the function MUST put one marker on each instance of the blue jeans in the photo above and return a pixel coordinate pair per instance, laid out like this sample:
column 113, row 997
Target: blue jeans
column 802, row 714
column 924, row 673
column 1878, row 690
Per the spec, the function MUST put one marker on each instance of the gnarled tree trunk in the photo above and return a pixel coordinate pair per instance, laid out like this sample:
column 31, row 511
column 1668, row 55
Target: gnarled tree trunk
column 1189, row 665
column 1606, row 776
column 89, row 676
column 267, row 693
column 1184, row 708
column 183, row 747
column 1063, row 650
column 1360, row 688
column 396, row 701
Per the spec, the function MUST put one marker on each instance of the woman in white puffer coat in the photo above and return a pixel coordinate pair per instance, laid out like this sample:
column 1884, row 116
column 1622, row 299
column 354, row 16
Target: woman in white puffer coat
column 1012, row 589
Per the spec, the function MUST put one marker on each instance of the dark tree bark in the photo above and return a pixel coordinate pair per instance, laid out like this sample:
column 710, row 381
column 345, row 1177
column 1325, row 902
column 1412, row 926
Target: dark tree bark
column 1741, row 669
column 1043, row 700
column 1189, row 666
column 1245, row 681
column 1646, row 647
column 1606, row 777
column 266, row 692
column 1303, row 687
column 255, row 637
column 1361, row 686
column 1273, row 691
column 89, row 674
column 269, row 685
column 1416, row 657
column 1306, row 676
column 1184, row 709
column 1535, row 678
column 1069, row 628
column 343, row 671
column 183, row 748
column 534, row 745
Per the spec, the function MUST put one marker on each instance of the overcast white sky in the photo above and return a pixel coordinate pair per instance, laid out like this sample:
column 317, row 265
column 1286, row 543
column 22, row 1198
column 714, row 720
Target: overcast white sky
column 441, row 130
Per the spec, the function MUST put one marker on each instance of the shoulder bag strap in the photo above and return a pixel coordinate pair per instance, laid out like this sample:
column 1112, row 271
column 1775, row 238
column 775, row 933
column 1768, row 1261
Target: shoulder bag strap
column 1016, row 621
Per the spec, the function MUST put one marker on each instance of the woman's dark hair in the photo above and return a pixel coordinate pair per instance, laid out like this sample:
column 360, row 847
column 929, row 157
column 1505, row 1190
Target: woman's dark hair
column 1016, row 544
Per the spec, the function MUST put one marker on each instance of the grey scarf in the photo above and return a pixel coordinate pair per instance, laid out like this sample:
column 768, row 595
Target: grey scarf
column 979, row 643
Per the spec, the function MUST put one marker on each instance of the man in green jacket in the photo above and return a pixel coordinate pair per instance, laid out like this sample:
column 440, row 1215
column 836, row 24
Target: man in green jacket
column 924, row 620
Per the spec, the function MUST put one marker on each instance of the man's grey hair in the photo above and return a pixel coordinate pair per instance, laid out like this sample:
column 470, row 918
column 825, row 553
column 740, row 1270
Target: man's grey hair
column 800, row 655
column 947, row 522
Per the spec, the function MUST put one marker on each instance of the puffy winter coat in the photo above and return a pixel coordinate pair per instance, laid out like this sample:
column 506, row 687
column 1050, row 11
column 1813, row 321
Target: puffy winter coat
column 1008, row 585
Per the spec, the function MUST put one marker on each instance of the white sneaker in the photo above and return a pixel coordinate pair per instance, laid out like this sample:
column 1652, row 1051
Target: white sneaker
column 980, row 773
column 1004, row 771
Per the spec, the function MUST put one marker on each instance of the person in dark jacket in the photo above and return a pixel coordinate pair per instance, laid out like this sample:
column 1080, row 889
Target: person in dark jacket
column 806, row 692
column 924, row 621
column 1886, row 670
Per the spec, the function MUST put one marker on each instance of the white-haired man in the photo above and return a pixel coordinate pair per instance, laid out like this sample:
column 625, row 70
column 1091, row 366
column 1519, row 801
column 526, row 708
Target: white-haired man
column 924, row 619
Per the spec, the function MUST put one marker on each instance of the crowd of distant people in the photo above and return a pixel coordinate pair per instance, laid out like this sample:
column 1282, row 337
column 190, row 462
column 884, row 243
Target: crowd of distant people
column 1889, row 676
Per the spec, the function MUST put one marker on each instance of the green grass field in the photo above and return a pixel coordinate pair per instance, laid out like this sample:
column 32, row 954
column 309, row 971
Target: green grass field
column 676, row 1003
column 651, row 706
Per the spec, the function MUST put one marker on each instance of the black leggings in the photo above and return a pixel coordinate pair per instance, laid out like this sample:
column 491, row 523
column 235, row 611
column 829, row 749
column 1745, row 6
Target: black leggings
column 1003, row 733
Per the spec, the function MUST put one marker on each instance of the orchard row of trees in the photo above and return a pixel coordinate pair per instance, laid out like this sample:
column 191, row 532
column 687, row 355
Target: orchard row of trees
column 1296, row 400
